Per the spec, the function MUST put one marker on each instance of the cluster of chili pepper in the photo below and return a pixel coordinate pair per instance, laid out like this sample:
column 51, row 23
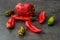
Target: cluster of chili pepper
column 42, row 18
column 25, row 13
column 25, row 9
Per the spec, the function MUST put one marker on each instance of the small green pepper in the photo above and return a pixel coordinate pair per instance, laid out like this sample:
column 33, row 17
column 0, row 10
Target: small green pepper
column 9, row 12
column 51, row 21
column 21, row 31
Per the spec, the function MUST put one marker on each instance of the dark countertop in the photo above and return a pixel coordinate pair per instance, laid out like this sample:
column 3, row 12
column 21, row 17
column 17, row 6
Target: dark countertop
column 52, row 7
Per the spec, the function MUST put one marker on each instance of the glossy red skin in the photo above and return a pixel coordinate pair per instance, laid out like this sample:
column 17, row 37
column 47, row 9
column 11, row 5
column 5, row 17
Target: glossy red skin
column 10, row 22
column 42, row 17
column 24, row 9
column 22, row 18
column 32, row 27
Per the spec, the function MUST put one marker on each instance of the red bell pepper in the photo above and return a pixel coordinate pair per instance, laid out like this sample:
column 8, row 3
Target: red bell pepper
column 42, row 17
column 10, row 23
column 25, row 9
column 30, row 18
column 32, row 27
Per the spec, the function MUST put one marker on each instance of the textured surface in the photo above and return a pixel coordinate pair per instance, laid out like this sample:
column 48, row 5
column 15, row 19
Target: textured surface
column 52, row 7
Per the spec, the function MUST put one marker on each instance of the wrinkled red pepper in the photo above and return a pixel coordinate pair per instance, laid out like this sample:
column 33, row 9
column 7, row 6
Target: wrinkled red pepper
column 32, row 27
column 25, row 9
column 30, row 18
column 10, row 23
column 42, row 17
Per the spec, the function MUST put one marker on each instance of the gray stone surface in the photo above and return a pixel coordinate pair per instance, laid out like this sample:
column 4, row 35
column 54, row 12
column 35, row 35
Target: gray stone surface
column 52, row 7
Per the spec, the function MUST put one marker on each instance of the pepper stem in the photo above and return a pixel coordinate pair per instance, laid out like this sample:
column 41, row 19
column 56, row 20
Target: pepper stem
column 10, row 27
column 33, row 18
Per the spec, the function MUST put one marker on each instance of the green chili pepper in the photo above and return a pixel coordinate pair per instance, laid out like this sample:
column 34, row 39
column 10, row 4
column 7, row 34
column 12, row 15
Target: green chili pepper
column 9, row 12
column 51, row 21
column 21, row 31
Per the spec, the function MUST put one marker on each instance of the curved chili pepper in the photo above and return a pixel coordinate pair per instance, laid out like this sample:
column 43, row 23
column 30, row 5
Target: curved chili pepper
column 10, row 23
column 23, row 18
column 32, row 27
column 42, row 17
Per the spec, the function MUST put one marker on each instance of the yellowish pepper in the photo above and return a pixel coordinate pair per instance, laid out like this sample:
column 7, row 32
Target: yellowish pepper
column 51, row 20
column 21, row 31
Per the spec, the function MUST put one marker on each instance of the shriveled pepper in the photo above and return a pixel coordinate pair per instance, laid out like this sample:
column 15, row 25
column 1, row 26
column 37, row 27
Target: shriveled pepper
column 30, row 18
column 9, row 12
column 51, row 20
column 21, row 31
column 32, row 27
column 10, row 23
column 42, row 17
